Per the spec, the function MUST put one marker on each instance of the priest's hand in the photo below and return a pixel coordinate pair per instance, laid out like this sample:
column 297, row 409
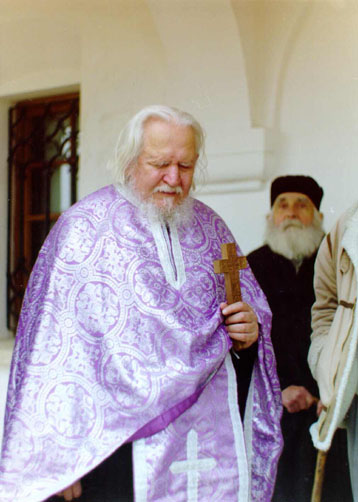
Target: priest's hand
column 297, row 398
column 241, row 323
column 72, row 492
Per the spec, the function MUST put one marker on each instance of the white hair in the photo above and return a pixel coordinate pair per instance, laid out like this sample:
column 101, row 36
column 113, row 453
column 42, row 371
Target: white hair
column 292, row 239
column 130, row 140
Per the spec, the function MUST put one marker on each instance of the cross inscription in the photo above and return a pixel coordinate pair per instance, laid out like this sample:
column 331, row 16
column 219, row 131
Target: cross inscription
column 230, row 265
column 192, row 466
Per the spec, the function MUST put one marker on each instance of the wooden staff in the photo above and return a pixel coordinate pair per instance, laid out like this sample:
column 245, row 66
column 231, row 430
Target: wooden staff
column 319, row 476
column 319, row 472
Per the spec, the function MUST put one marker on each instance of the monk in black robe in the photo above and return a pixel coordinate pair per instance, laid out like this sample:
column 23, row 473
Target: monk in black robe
column 284, row 267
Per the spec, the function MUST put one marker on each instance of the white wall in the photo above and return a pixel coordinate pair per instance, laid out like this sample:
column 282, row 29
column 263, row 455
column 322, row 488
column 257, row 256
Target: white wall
column 161, row 56
column 302, row 67
column 39, row 51
column 319, row 111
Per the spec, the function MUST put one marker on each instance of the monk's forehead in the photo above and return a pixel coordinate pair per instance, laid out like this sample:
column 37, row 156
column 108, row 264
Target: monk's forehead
column 292, row 197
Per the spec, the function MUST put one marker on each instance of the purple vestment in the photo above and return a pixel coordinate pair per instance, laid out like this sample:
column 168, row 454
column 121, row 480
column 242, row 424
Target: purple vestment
column 121, row 339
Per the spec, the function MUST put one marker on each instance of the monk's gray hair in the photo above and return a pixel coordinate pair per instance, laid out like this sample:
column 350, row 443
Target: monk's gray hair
column 130, row 140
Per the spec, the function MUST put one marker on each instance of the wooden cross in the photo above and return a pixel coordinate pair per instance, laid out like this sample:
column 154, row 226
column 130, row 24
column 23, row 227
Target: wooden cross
column 230, row 265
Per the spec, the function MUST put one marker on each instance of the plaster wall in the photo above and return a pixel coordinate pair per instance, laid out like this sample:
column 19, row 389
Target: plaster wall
column 202, row 72
column 302, row 69
column 318, row 113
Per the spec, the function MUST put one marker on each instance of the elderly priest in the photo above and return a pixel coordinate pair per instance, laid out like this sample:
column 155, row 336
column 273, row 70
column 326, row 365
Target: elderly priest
column 122, row 377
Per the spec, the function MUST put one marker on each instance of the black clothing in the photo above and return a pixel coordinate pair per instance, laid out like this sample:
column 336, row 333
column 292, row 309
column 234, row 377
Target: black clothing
column 243, row 362
column 290, row 295
column 111, row 481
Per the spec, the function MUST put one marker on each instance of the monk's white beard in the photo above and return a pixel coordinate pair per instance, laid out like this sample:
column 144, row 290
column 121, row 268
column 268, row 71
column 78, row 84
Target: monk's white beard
column 178, row 214
column 293, row 239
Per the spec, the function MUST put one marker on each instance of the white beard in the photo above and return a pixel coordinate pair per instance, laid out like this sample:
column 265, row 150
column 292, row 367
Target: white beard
column 292, row 239
column 178, row 214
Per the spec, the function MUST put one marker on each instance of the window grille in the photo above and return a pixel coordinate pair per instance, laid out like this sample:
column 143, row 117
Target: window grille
column 42, row 174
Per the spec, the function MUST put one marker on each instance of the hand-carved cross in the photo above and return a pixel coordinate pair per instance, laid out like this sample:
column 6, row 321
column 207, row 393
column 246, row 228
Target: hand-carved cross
column 230, row 265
